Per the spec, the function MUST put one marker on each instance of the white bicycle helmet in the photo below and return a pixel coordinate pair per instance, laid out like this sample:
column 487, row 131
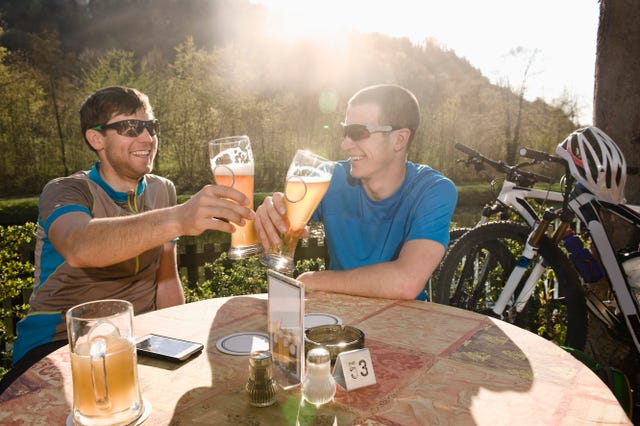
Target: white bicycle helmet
column 596, row 162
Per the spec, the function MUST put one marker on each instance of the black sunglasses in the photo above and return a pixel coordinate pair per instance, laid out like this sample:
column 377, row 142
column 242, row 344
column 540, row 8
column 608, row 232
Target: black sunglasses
column 132, row 128
column 357, row 132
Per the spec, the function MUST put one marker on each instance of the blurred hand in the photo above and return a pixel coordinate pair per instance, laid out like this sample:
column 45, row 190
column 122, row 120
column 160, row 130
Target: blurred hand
column 211, row 208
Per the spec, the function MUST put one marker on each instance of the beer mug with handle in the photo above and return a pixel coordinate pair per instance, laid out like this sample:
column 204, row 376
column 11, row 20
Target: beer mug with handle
column 231, row 161
column 307, row 181
column 103, row 363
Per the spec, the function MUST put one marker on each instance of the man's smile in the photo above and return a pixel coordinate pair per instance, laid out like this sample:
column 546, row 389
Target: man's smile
column 144, row 153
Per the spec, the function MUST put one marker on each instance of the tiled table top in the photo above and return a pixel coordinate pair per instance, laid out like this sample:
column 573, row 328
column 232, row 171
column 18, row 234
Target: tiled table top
column 433, row 364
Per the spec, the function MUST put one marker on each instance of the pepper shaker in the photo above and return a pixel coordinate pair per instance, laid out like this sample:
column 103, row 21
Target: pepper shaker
column 261, row 386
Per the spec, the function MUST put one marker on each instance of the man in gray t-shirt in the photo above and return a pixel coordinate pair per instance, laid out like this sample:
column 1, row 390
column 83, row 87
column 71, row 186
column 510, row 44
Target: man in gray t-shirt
column 110, row 232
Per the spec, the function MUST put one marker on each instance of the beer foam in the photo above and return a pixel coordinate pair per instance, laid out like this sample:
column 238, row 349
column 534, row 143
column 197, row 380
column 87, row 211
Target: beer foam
column 232, row 169
column 232, row 160
column 308, row 174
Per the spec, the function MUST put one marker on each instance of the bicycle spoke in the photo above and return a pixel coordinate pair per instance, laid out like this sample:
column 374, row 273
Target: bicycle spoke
column 466, row 275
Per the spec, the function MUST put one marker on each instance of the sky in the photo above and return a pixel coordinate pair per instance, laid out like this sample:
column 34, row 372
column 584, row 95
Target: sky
column 558, row 37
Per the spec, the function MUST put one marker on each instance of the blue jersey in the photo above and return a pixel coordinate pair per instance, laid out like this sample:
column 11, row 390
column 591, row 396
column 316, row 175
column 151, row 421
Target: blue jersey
column 361, row 231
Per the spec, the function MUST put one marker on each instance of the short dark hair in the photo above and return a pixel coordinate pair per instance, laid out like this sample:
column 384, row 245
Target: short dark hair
column 398, row 106
column 109, row 101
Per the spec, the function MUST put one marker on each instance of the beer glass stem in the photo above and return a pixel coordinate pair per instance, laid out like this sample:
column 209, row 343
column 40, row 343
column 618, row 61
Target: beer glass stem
column 290, row 241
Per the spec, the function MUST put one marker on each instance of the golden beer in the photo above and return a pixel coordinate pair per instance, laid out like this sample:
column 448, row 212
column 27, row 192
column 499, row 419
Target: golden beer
column 302, row 196
column 112, row 378
column 231, row 161
column 244, row 235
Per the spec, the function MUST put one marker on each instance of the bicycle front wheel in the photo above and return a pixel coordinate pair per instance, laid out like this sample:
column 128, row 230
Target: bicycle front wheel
column 478, row 265
column 436, row 296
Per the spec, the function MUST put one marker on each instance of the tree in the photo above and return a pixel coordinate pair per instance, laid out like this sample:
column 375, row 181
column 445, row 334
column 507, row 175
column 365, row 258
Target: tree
column 192, row 116
column 512, row 132
column 23, row 127
column 49, row 58
column 617, row 99
column 617, row 88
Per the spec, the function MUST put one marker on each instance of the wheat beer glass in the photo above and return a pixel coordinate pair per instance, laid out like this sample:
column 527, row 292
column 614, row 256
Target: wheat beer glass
column 307, row 181
column 103, row 363
column 232, row 165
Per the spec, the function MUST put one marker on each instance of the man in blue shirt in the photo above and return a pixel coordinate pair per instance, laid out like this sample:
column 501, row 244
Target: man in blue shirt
column 386, row 219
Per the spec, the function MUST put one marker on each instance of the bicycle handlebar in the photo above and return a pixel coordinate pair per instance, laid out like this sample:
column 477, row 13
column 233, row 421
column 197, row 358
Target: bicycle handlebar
column 473, row 154
column 467, row 150
column 515, row 172
column 540, row 156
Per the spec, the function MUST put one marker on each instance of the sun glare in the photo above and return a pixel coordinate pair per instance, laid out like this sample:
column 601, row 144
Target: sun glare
column 483, row 32
column 301, row 20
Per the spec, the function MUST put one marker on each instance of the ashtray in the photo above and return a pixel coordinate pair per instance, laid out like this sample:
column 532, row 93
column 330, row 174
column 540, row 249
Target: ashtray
column 335, row 338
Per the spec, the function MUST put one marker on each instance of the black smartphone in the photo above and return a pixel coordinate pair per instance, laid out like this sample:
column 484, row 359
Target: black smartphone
column 167, row 348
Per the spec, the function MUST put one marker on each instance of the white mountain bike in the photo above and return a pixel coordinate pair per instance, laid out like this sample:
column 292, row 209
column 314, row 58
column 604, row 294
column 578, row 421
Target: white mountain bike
column 478, row 265
column 519, row 273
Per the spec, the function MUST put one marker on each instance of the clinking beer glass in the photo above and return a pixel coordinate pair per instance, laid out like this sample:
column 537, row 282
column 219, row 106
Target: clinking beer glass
column 307, row 181
column 232, row 165
column 104, row 365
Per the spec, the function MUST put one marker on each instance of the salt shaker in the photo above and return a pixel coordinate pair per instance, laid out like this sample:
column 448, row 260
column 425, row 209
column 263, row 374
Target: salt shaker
column 261, row 386
column 318, row 385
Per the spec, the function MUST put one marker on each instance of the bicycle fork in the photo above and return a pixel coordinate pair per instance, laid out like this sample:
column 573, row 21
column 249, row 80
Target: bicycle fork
column 530, row 251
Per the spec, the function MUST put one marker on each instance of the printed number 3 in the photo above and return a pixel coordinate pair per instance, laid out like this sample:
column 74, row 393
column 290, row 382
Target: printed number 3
column 364, row 372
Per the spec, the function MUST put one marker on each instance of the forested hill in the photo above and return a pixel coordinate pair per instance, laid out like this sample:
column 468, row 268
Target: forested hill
column 137, row 25
column 210, row 71
column 144, row 26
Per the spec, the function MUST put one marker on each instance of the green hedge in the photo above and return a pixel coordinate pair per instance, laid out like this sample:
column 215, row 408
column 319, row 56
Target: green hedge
column 16, row 282
column 18, row 211
column 474, row 195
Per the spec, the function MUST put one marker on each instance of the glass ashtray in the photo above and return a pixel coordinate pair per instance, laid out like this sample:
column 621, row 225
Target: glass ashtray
column 335, row 338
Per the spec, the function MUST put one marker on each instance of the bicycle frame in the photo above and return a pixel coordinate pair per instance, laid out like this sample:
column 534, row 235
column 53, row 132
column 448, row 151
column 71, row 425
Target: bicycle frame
column 512, row 195
column 529, row 251
column 587, row 207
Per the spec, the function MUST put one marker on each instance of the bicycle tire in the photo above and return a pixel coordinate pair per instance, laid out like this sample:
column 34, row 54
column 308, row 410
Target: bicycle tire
column 476, row 267
column 454, row 235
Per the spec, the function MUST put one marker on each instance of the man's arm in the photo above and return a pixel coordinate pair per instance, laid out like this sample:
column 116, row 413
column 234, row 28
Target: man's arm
column 87, row 242
column 169, row 290
column 403, row 278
